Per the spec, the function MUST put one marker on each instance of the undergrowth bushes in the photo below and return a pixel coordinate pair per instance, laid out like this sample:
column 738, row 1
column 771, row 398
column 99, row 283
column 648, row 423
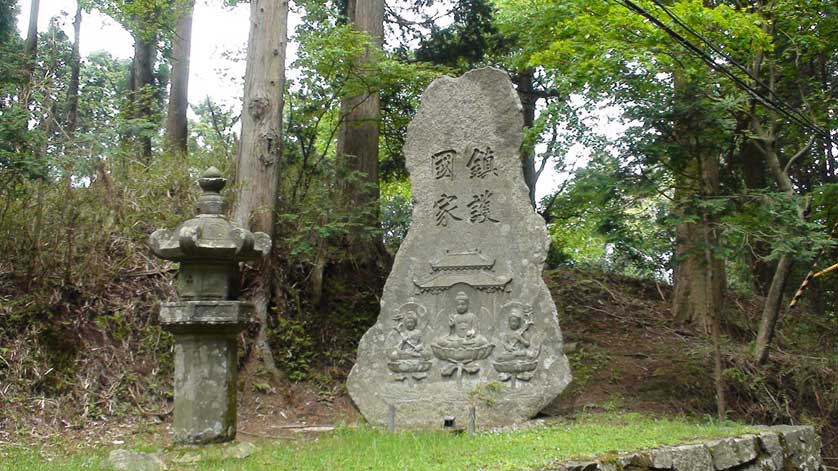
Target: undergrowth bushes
column 79, row 291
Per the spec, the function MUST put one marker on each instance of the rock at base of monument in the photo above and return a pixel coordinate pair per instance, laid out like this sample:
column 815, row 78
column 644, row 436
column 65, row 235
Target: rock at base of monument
column 466, row 320
column 124, row 460
column 205, row 367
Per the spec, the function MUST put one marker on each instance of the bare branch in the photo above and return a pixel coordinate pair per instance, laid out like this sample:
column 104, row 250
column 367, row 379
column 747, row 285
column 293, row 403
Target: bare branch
column 799, row 154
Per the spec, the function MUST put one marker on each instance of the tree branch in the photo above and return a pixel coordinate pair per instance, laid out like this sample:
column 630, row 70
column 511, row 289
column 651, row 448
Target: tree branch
column 799, row 154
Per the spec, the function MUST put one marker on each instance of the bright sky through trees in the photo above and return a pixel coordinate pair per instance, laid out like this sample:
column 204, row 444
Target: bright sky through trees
column 218, row 42
column 219, row 39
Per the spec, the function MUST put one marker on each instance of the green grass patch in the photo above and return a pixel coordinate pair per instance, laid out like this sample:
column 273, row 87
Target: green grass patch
column 368, row 449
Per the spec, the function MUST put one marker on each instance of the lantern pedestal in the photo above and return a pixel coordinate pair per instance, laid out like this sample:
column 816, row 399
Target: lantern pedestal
column 206, row 364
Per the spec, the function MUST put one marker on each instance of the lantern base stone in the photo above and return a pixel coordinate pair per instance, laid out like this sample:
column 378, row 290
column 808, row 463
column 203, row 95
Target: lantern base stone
column 205, row 367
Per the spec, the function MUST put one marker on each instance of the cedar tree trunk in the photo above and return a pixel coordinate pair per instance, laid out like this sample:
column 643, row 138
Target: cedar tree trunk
column 30, row 52
column 524, row 80
column 142, row 83
column 260, row 149
column 358, row 136
column 176, row 128
column 75, row 68
column 698, row 296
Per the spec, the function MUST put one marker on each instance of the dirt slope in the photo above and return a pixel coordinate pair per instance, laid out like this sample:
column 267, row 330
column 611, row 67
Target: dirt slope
column 626, row 354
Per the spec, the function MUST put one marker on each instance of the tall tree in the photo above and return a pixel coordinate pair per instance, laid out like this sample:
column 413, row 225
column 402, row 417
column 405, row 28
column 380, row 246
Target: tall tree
column 358, row 138
column 176, row 127
column 151, row 23
column 75, row 70
column 30, row 51
column 142, row 88
column 790, row 71
column 529, row 102
column 30, row 47
column 260, row 148
column 699, row 280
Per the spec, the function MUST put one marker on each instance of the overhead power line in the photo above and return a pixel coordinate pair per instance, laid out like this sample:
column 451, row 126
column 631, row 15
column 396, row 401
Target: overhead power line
column 718, row 50
column 781, row 108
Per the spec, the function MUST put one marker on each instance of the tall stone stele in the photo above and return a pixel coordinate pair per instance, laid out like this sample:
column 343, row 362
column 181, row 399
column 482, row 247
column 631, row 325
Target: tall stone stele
column 468, row 330
column 207, row 319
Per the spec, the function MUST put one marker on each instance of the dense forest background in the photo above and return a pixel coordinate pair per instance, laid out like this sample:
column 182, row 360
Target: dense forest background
column 719, row 188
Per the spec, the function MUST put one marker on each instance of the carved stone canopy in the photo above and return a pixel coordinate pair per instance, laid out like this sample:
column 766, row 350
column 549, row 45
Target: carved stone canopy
column 471, row 268
column 209, row 246
column 209, row 236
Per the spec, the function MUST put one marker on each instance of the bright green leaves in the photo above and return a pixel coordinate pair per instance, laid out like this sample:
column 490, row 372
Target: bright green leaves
column 146, row 19
column 328, row 53
column 596, row 42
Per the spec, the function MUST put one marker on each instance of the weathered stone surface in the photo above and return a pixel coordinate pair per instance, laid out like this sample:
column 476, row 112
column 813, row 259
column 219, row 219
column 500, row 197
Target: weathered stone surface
column 205, row 367
column 240, row 450
column 691, row 458
column 207, row 320
column 652, row 459
column 124, row 460
column 783, row 448
column 205, row 388
column 662, row 459
column 732, row 452
column 772, row 451
column 209, row 246
column 190, row 458
column 801, row 447
column 609, row 466
column 580, row 466
column 198, row 316
column 466, row 319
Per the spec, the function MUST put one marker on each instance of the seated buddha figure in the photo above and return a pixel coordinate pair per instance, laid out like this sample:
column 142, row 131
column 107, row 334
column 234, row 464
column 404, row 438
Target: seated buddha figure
column 462, row 325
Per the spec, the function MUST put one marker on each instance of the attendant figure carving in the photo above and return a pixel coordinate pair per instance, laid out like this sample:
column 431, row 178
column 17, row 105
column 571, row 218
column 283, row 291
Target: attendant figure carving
column 519, row 358
column 410, row 357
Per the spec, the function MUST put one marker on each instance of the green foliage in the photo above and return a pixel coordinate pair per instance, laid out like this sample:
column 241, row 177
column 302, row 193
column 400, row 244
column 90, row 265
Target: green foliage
column 147, row 19
column 91, row 288
column 610, row 219
column 470, row 37
column 18, row 144
column 678, row 112
column 595, row 45
column 396, row 212
column 293, row 347
column 800, row 376
column 772, row 218
column 824, row 205
column 213, row 132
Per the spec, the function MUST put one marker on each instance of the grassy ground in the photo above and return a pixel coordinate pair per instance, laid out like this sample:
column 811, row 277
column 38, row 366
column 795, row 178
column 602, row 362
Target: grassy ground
column 626, row 353
column 366, row 449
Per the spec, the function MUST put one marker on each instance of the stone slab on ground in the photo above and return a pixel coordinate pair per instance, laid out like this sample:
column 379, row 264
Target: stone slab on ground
column 780, row 448
column 466, row 319
column 124, row 460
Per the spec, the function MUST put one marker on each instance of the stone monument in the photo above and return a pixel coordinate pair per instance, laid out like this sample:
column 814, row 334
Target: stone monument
column 467, row 330
column 207, row 319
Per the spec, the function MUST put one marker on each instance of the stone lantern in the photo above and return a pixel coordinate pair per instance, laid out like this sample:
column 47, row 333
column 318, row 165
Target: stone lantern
column 207, row 319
